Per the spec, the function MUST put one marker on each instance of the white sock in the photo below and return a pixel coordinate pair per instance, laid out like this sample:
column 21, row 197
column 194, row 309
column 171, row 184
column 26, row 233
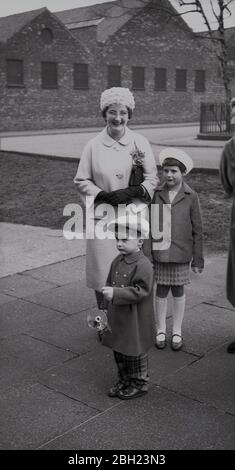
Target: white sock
column 161, row 310
column 178, row 315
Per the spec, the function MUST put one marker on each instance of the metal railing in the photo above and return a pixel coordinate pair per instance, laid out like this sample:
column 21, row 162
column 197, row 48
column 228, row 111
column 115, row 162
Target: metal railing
column 215, row 118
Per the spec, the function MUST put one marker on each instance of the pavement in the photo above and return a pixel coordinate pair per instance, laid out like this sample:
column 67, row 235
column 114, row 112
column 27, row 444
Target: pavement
column 55, row 374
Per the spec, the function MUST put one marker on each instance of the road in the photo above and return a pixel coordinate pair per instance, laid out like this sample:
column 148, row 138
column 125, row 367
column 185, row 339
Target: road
column 70, row 143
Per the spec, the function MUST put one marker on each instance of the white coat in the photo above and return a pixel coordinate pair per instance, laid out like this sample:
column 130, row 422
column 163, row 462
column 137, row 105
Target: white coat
column 105, row 165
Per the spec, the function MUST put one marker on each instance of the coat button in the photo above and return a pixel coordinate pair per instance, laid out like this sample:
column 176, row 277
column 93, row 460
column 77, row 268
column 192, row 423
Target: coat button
column 124, row 275
column 116, row 272
column 114, row 283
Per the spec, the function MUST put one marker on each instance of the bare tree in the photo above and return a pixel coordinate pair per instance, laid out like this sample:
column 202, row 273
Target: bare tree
column 213, row 14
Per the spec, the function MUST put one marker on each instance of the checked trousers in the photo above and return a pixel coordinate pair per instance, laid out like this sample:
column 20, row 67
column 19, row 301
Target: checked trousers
column 132, row 370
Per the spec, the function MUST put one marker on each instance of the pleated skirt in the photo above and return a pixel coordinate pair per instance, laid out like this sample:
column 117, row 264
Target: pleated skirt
column 172, row 274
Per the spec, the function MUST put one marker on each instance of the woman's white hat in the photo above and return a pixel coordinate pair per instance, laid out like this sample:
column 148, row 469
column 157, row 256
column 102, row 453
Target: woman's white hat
column 130, row 226
column 178, row 154
column 118, row 95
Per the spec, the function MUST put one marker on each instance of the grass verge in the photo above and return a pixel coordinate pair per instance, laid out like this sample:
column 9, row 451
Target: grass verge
column 34, row 191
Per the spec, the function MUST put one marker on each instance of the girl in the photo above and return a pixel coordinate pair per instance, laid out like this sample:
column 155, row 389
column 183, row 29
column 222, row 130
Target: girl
column 172, row 265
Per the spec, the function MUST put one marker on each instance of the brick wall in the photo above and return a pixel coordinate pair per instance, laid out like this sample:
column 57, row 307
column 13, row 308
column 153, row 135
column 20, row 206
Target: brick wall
column 31, row 107
column 147, row 40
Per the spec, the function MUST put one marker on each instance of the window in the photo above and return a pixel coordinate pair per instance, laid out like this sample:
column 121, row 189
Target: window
column 160, row 79
column 200, row 80
column 15, row 75
column 181, row 80
column 47, row 35
column 49, row 75
column 80, row 76
column 138, row 78
column 114, row 75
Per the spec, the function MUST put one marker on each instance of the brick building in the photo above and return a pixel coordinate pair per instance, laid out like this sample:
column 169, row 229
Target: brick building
column 41, row 67
column 230, row 41
column 53, row 67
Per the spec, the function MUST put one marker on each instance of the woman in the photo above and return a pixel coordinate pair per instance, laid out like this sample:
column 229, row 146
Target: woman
column 227, row 173
column 104, row 173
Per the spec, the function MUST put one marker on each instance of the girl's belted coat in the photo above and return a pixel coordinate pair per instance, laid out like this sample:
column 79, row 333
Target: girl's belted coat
column 130, row 313
column 184, row 234
column 106, row 165
column 227, row 172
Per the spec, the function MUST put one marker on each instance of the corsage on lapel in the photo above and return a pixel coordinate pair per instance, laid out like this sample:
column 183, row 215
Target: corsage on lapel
column 136, row 177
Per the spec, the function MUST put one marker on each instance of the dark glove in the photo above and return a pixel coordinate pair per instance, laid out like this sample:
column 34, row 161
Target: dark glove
column 102, row 196
column 108, row 198
column 136, row 191
column 124, row 196
column 121, row 196
column 139, row 192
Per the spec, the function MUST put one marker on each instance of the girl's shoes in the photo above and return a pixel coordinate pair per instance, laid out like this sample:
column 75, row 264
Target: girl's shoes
column 176, row 345
column 160, row 343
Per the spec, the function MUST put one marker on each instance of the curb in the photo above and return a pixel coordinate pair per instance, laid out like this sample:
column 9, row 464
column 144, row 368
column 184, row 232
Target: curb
column 187, row 145
column 40, row 155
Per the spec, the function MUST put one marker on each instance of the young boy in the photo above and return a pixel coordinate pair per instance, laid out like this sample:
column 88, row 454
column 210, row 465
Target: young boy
column 172, row 265
column 130, row 309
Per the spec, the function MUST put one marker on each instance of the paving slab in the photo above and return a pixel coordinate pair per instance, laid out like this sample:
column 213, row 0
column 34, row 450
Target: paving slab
column 71, row 333
column 60, row 273
column 211, row 281
column 219, row 300
column 20, row 286
column 86, row 378
column 71, row 298
column 22, row 357
column 166, row 362
column 34, row 414
column 21, row 317
column 26, row 247
column 4, row 299
column 160, row 420
column 206, row 327
column 210, row 380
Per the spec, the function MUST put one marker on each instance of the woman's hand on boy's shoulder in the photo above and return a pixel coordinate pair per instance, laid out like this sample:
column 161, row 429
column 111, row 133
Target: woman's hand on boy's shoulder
column 196, row 270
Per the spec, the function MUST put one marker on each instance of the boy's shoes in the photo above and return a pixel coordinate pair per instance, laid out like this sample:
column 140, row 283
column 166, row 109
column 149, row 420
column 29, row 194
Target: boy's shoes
column 131, row 392
column 161, row 342
column 231, row 347
column 176, row 345
column 114, row 391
